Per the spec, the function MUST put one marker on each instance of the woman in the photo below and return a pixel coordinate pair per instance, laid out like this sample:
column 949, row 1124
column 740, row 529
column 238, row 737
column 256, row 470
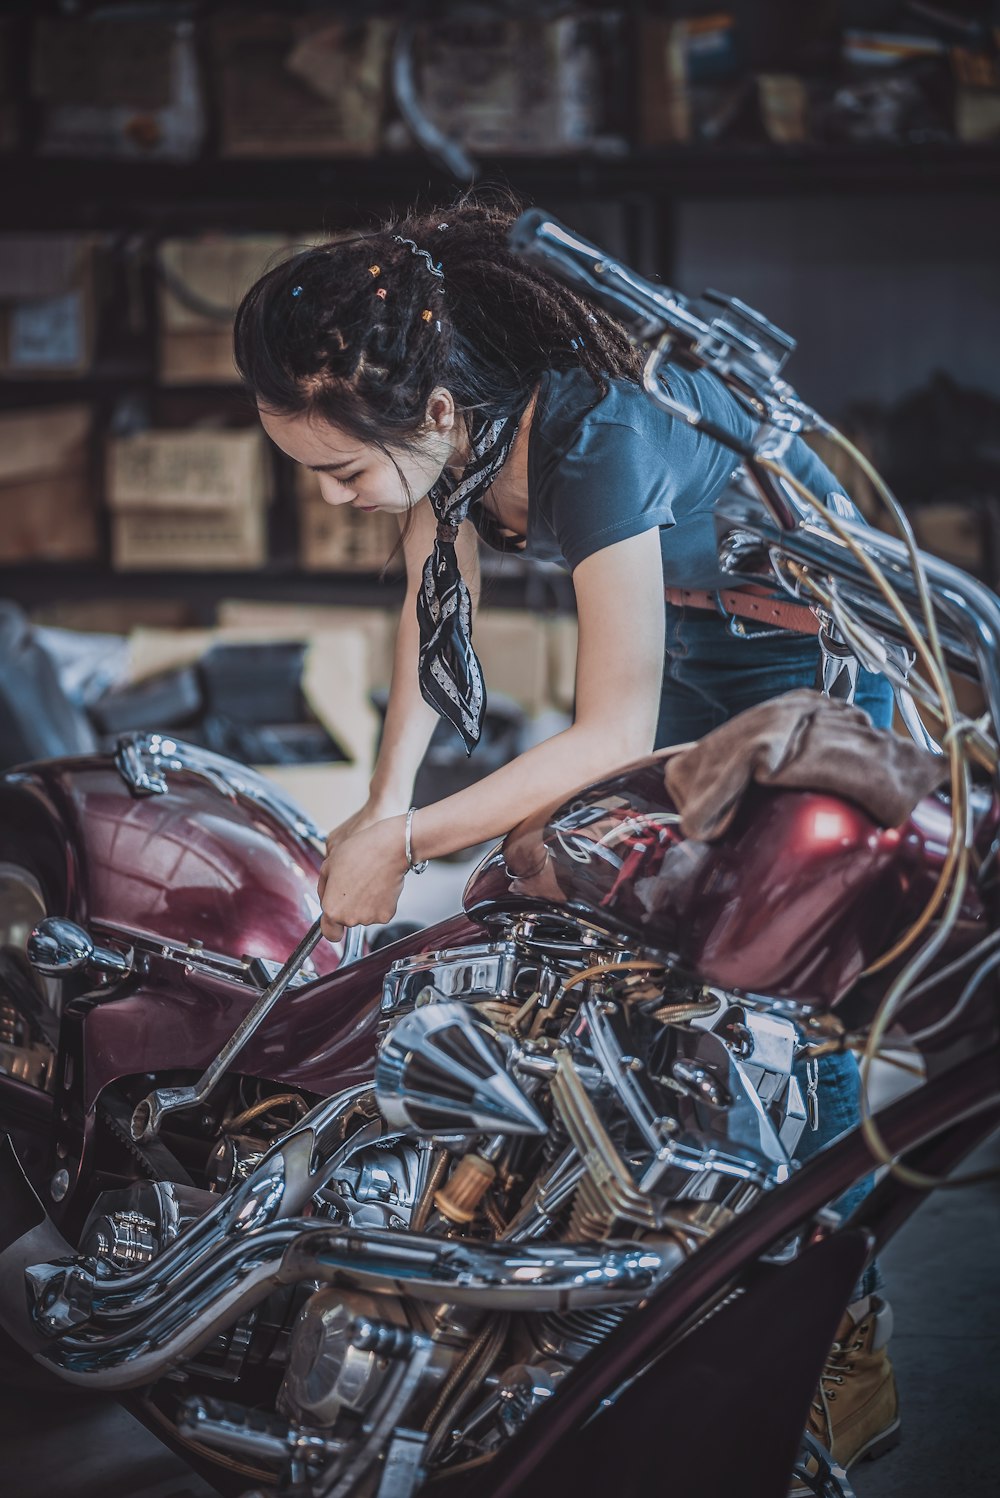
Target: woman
column 427, row 371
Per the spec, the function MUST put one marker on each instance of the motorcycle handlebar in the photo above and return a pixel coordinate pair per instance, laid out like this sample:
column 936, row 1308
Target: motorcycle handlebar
column 747, row 353
column 645, row 309
column 713, row 331
column 971, row 611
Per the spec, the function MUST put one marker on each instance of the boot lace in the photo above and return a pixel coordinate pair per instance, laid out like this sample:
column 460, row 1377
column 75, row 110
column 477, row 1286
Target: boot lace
column 836, row 1367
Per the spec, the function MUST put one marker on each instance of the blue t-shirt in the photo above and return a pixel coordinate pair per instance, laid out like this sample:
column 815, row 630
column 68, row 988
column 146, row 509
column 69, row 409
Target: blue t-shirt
column 601, row 469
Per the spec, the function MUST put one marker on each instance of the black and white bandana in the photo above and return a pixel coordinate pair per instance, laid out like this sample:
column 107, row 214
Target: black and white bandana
column 451, row 678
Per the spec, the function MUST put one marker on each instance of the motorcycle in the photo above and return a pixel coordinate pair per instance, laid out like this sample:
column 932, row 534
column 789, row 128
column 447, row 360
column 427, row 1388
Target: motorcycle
column 509, row 1204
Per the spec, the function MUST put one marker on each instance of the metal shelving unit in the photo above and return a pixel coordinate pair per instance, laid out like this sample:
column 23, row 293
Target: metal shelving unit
column 154, row 198
column 51, row 193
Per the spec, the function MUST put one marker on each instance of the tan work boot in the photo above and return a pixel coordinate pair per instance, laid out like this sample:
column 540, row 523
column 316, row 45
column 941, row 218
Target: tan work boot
column 855, row 1412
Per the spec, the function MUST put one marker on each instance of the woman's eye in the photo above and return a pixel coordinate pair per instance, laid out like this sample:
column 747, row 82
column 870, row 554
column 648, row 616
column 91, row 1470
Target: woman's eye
column 348, row 478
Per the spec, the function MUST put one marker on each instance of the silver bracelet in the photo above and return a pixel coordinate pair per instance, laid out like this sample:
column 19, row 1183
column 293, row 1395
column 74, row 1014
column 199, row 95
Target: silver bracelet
column 415, row 868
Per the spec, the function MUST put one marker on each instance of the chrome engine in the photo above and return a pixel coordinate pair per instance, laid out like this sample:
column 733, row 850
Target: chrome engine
column 556, row 1123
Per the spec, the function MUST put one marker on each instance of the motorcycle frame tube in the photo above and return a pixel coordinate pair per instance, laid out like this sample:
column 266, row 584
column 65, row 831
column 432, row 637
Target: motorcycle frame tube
column 964, row 1105
column 320, row 1037
column 940, row 1123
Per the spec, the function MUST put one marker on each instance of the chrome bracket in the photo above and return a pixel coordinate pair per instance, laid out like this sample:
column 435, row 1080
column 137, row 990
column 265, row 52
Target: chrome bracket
column 150, row 1113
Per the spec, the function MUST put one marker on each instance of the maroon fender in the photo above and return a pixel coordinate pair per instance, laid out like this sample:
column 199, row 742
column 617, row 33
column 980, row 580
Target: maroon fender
column 192, row 865
column 801, row 893
column 195, row 865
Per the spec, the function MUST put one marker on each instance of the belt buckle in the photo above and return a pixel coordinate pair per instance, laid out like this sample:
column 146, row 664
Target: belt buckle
column 735, row 624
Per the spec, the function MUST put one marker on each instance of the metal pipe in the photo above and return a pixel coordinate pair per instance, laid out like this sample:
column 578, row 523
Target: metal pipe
column 150, row 1113
column 280, row 1185
column 972, row 611
column 240, row 1275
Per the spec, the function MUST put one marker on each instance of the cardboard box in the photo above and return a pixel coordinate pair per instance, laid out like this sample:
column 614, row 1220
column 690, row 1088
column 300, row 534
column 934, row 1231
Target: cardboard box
column 335, row 685
column 335, row 538
column 977, row 114
column 196, row 346
column 188, row 499
column 529, row 658
column 511, row 86
column 46, row 499
column 512, row 646
column 563, row 639
column 378, row 625
column 47, row 304
column 299, row 85
column 151, row 540
column 114, row 616
column 117, row 87
column 784, row 107
column 687, row 70
column 189, row 469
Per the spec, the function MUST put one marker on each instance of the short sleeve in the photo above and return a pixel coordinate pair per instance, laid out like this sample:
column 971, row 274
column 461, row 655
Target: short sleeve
column 608, row 485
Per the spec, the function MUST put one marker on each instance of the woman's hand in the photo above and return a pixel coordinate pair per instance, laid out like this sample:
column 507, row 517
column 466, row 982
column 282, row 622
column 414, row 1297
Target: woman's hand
column 362, row 875
column 373, row 811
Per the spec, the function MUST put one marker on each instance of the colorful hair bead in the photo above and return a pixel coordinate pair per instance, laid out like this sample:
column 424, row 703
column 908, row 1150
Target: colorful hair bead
column 296, row 291
column 427, row 314
column 381, row 292
column 374, row 270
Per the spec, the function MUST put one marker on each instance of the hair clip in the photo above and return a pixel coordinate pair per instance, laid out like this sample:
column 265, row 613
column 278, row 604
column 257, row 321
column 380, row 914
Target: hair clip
column 415, row 249
column 381, row 292
column 427, row 314
column 296, row 291
column 374, row 270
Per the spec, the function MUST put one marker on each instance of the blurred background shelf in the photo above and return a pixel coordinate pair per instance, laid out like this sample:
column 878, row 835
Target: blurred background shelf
column 34, row 585
column 837, row 166
column 160, row 195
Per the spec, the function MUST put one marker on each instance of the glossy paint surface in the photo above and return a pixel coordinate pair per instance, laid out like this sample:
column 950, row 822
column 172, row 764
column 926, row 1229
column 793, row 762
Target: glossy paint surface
column 194, row 864
column 796, row 898
column 320, row 1036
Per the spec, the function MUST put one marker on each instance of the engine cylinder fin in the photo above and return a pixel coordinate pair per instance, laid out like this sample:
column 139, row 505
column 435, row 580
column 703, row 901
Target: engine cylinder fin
column 572, row 1332
column 607, row 1191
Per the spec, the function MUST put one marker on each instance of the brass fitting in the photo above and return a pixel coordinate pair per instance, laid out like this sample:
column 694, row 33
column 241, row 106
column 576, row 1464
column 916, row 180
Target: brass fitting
column 471, row 1179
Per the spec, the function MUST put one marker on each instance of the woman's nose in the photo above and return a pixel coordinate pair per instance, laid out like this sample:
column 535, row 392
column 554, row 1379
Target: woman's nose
column 334, row 493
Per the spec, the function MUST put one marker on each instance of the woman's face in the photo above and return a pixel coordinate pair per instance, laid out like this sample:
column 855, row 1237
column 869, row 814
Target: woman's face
column 354, row 473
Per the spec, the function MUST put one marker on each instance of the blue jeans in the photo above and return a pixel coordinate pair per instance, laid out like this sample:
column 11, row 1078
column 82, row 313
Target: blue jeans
column 710, row 675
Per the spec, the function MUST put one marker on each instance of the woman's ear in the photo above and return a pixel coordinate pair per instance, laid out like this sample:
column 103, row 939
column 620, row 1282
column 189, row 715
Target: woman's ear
column 440, row 413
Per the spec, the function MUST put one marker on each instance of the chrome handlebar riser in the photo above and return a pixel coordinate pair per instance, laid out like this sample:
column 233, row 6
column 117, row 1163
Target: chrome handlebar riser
column 150, row 1113
column 57, row 948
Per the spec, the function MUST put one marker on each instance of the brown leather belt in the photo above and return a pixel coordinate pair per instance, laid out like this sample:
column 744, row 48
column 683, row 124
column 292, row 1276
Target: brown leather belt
column 748, row 603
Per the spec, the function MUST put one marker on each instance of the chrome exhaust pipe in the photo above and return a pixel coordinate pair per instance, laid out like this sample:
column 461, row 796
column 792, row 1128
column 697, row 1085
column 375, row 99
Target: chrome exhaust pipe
column 134, row 1328
column 489, row 1276
column 288, row 1176
column 279, row 1187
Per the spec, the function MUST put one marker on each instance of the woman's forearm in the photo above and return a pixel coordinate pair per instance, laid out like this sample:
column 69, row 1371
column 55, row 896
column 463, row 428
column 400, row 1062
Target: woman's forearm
column 495, row 804
column 409, row 722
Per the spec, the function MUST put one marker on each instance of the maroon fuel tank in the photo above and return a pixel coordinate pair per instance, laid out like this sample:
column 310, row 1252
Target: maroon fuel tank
column 200, row 862
column 795, row 900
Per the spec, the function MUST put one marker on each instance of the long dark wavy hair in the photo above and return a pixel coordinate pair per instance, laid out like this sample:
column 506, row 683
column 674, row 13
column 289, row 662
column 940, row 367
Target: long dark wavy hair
column 361, row 330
